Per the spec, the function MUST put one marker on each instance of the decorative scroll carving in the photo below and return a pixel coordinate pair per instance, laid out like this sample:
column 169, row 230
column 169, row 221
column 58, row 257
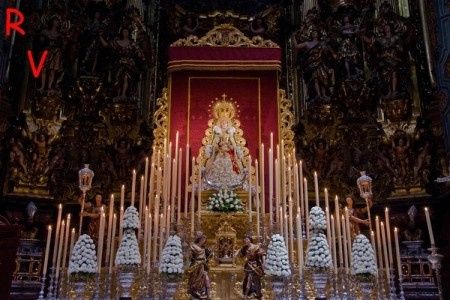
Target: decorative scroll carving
column 161, row 120
column 225, row 35
column 286, row 122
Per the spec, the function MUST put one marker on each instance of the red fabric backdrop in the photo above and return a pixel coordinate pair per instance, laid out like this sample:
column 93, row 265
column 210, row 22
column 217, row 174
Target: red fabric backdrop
column 199, row 75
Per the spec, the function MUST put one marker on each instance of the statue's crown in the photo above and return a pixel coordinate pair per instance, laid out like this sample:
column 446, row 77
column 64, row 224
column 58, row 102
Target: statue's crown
column 224, row 108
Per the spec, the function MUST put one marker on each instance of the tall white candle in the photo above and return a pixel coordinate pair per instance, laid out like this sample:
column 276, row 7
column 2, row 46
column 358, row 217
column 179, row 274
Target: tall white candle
column 199, row 199
column 291, row 229
column 151, row 184
column 57, row 233
column 145, row 181
column 430, row 228
column 385, row 252
column 179, row 164
column 372, row 241
column 156, row 227
column 144, row 255
column 286, row 235
column 303, row 212
column 113, row 239
column 349, row 235
column 122, row 198
column 333, row 247
column 47, row 250
column 66, row 242
column 177, row 141
column 141, row 205
column 174, row 189
column 120, row 223
column 305, row 183
column 101, row 235
column 192, row 200
column 149, row 243
column 270, row 187
column 379, row 247
column 299, row 244
column 60, row 244
column 388, row 236
column 257, row 200
column 344, row 235
column 277, row 191
column 161, row 235
column 133, row 187
column 339, row 233
column 297, row 188
column 263, row 186
column 397, row 251
column 186, row 182
column 316, row 187
column 271, row 140
column 110, row 216
column 72, row 242
column 327, row 214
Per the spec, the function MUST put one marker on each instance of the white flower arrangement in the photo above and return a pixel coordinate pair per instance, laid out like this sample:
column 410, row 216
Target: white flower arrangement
column 172, row 256
column 128, row 252
column 363, row 257
column 317, row 219
column 318, row 252
column 225, row 201
column 131, row 218
column 277, row 262
column 84, row 258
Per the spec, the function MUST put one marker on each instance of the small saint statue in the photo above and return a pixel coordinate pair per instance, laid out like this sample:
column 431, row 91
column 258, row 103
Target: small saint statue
column 198, row 279
column 253, row 268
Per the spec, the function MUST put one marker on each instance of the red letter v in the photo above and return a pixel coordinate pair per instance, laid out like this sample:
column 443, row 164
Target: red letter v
column 37, row 71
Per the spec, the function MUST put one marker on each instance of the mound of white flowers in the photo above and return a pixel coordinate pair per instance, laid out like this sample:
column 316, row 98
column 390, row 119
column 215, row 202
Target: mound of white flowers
column 131, row 218
column 128, row 252
column 363, row 257
column 318, row 253
column 317, row 219
column 277, row 262
column 225, row 201
column 172, row 256
column 84, row 257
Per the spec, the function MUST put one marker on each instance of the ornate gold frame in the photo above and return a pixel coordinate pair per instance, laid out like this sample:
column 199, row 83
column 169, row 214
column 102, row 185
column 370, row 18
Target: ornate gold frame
column 225, row 35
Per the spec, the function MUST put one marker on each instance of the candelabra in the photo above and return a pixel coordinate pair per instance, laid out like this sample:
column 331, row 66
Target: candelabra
column 392, row 294
column 41, row 293
column 50, row 294
column 435, row 259
column 400, row 284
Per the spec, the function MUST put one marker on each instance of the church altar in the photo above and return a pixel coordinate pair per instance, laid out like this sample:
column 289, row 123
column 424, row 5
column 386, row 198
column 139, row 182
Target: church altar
column 223, row 184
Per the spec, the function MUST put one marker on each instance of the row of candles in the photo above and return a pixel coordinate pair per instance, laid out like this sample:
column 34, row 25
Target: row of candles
column 288, row 187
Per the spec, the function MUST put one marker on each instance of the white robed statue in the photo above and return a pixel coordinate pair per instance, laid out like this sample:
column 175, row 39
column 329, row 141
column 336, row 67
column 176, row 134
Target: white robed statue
column 224, row 149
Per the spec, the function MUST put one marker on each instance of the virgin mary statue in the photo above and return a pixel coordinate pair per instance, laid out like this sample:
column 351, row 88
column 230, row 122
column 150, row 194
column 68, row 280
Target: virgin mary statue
column 224, row 149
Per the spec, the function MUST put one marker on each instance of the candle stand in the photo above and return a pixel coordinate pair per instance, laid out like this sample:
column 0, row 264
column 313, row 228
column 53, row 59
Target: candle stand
column 435, row 259
column 41, row 293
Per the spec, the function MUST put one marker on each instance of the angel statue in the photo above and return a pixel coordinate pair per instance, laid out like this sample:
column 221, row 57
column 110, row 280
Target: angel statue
column 223, row 166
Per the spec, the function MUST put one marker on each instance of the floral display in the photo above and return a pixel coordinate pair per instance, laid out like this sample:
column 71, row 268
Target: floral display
column 172, row 256
column 277, row 262
column 363, row 257
column 318, row 252
column 84, row 258
column 225, row 201
column 128, row 252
